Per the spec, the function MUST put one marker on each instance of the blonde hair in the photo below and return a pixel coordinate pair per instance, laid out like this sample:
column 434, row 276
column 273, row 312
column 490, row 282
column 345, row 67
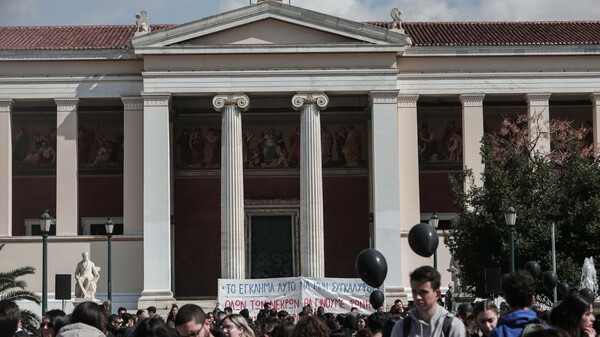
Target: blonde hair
column 240, row 322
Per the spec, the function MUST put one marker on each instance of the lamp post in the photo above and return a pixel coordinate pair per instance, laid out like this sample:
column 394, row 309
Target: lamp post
column 434, row 221
column 45, row 223
column 510, row 215
column 109, row 233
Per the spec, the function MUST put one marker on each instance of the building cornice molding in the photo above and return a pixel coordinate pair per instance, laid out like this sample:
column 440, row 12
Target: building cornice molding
column 67, row 55
column 471, row 100
column 407, row 101
column 538, row 99
column 156, row 99
column 383, row 97
column 70, row 80
column 5, row 104
column 66, row 104
column 132, row 103
column 495, row 75
column 268, row 73
column 517, row 50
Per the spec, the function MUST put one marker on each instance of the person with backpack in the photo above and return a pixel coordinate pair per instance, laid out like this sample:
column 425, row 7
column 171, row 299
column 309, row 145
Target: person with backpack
column 428, row 318
column 518, row 289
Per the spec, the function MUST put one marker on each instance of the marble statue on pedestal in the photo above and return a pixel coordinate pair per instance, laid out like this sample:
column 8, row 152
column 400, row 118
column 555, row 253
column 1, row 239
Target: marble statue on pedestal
column 86, row 278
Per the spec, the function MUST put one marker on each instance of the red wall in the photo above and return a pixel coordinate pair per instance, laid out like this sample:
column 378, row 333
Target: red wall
column 31, row 195
column 434, row 191
column 100, row 197
column 198, row 218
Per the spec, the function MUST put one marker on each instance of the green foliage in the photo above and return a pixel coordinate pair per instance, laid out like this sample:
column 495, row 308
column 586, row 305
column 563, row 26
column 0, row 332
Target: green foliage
column 14, row 289
column 561, row 187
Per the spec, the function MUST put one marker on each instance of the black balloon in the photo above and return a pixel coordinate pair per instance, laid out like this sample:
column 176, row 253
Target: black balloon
column 588, row 294
column 371, row 267
column 423, row 239
column 563, row 290
column 376, row 298
column 549, row 280
column 533, row 268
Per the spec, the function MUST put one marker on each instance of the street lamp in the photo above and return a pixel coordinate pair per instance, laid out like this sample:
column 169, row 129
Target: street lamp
column 45, row 223
column 109, row 233
column 510, row 215
column 434, row 221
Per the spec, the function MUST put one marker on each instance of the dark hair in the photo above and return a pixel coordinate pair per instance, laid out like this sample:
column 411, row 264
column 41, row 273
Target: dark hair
column 188, row 313
column 518, row 288
column 310, row 326
column 282, row 314
column 89, row 313
column 376, row 321
column 58, row 318
column 151, row 327
column 554, row 332
column 228, row 309
column 567, row 315
column 485, row 306
column 284, row 329
column 266, row 304
column 151, row 309
column 122, row 309
column 427, row 274
column 9, row 317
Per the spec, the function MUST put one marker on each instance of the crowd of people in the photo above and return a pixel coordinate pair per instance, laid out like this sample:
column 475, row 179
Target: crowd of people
column 425, row 316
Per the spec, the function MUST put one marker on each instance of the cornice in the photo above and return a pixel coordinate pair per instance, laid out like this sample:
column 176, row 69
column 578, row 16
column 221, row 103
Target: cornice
column 132, row 103
column 471, row 100
column 517, row 50
column 537, row 99
column 407, row 101
column 67, row 55
column 156, row 99
column 506, row 75
column 269, row 73
column 66, row 104
column 70, row 80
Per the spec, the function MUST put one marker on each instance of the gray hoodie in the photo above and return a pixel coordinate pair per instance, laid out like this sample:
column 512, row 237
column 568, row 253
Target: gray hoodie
column 80, row 330
column 420, row 328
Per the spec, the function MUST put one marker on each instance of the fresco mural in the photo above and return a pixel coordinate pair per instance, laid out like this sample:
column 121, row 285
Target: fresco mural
column 198, row 146
column 440, row 142
column 34, row 145
column 100, row 145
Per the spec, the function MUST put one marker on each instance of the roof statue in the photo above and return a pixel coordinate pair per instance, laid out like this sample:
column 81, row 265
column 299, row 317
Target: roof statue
column 396, row 15
column 140, row 22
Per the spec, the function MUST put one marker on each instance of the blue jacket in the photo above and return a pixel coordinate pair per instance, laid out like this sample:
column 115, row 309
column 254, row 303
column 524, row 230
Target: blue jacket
column 512, row 324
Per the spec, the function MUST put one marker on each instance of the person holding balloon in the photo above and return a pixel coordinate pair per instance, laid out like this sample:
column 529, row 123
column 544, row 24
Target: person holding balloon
column 428, row 318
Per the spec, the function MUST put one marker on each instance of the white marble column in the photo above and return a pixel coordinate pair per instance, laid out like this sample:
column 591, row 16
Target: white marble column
column 233, row 253
column 133, row 165
column 538, row 110
column 312, row 245
column 385, row 179
column 5, row 168
column 595, row 97
column 67, row 205
column 472, row 128
column 408, row 175
column 156, row 202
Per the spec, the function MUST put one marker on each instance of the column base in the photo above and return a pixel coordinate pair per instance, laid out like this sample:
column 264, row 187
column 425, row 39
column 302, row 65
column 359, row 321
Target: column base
column 394, row 293
column 161, row 299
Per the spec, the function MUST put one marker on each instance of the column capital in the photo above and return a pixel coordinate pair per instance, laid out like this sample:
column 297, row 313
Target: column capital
column 318, row 98
column 595, row 98
column 407, row 101
column 383, row 97
column 133, row 103
column 472, row 100
column 156, row 99
column 241, row 100
column 66, row 104
column 537, row 99
column 5, row 104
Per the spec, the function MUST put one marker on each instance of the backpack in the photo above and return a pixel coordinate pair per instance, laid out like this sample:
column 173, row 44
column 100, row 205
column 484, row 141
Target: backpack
column 537, row 324
column 445, row 327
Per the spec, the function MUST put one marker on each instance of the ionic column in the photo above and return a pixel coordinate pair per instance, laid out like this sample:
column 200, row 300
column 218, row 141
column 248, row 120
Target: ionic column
column 5, row 167
column 385, row 181
column 233, row 254
column 472, row 128
column 538, row 110
column 66, row 167
column 156, row 202
column 133, row 165
column 312, row 246
column 595, row 97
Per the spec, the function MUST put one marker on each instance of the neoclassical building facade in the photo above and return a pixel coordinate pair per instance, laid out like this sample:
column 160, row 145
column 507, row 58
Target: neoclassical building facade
column 268, row 141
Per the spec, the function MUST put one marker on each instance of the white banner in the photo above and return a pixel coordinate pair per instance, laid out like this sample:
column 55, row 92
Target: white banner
column 336, row 295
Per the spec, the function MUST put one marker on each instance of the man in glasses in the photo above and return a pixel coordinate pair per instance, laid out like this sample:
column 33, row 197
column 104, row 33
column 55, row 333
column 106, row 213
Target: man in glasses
column 114, row 325
column 191, row 321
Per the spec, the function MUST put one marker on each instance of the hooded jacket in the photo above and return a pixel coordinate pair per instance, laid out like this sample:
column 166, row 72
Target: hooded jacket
column 80, row 330
column 420, row 328
column 512, row 324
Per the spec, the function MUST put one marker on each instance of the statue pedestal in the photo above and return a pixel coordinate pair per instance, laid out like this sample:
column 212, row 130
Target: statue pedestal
column 78, row 300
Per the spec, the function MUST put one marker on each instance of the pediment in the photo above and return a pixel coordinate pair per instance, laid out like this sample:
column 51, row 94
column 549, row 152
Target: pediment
column 269, row 27
column 270, row 31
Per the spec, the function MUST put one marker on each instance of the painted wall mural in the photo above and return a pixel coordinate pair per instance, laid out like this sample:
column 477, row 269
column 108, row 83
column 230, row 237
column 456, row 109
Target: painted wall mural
column 100, row 145
column 198, row 146
column 34, row 145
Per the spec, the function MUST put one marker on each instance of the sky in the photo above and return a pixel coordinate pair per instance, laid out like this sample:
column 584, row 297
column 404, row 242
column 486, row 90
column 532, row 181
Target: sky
column 108, row 12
